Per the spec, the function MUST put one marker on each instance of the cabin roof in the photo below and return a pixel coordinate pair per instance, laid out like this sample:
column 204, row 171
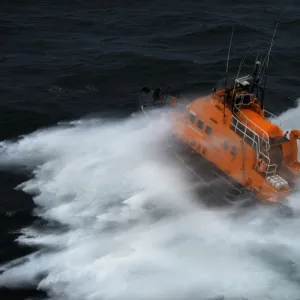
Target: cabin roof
column 270, row 128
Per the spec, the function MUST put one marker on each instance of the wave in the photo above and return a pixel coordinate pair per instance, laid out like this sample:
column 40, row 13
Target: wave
column 128, row 226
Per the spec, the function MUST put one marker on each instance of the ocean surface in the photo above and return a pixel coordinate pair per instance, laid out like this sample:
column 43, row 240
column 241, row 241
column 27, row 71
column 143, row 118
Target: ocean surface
column 90, row 207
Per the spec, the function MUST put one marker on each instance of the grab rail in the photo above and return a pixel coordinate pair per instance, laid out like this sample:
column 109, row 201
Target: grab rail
column 268, row 115
column 243, row 129
column 264, row 137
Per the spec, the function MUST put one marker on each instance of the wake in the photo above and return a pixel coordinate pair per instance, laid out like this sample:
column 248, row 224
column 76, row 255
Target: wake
column 130, row 226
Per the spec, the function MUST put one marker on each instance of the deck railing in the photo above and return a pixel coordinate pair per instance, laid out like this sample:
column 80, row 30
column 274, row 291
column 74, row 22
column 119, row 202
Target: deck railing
column 259, row 142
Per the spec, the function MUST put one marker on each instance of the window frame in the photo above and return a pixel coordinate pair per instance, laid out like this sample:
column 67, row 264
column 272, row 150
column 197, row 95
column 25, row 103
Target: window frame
column 200, row 121
column 210, row 128
column 192, row 115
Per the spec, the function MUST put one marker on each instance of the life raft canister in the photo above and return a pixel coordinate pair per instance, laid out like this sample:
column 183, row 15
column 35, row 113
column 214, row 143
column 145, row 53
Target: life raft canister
column 261, row 165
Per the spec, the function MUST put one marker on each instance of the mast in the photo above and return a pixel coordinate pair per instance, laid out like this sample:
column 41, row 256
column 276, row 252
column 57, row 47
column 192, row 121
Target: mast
column 242, row 62
column 266, row 68
column 256, row 68
column 226, row 76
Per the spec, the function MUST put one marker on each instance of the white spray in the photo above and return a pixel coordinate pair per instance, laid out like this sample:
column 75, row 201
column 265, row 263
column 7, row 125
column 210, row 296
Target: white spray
column 133, row 230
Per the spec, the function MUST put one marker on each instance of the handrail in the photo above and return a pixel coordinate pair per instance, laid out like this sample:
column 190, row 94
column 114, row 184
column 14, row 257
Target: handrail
column 264, row 137
column 244, row 132
column 271, row 168
column 270, row 116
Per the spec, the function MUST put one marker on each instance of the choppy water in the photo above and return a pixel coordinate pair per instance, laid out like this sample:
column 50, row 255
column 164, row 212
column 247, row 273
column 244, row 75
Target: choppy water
column 131, row 228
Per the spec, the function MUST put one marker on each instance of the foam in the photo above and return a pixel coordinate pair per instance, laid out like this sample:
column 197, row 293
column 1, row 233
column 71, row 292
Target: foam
column 133, row 230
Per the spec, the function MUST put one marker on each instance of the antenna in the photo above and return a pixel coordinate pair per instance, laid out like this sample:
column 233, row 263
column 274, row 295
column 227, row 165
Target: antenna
column 255, row 72
column 271, row 46
column 227, row 65
column 226, row 76
column 256, row 59
column 267, row 65
column 261, row 69
column 241, row 65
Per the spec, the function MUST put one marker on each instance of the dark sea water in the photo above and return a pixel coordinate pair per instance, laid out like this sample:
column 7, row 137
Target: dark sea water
column 88, row 60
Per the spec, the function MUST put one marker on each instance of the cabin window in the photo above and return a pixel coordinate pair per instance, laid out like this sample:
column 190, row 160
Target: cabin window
column 208, row 130
column 192, row 117
column 233, row 150
column 225, row 145
column 200, row 124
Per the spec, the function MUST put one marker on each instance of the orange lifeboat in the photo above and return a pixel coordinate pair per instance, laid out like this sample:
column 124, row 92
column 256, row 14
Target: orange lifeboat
column 232, row 131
